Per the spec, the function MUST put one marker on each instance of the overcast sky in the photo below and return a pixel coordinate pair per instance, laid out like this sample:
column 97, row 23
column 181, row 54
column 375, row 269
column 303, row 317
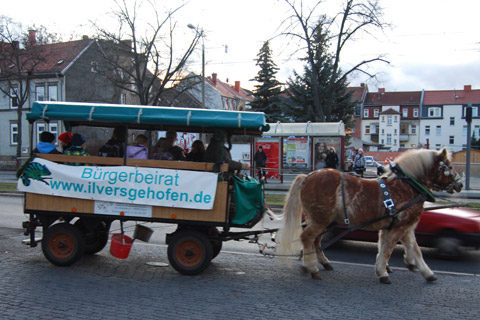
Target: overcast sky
column 433, row 44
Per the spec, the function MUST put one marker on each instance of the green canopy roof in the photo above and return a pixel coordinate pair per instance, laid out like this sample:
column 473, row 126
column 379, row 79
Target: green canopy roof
column 136, row 115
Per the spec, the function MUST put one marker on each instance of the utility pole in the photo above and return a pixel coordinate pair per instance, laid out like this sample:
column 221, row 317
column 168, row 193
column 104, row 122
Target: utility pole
column 468, row 118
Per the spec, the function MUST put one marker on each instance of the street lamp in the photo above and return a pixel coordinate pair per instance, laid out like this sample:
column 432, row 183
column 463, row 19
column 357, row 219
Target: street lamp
column 201, row 34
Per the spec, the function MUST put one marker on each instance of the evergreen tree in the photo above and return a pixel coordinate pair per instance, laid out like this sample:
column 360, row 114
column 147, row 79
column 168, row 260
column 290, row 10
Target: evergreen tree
column 333, row 93
column 267, row 92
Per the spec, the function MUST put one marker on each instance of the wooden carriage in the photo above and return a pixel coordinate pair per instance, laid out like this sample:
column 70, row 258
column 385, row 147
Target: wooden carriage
column 78, row 223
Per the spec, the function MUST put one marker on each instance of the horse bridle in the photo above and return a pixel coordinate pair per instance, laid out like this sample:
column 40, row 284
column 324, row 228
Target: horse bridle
column 447, row 172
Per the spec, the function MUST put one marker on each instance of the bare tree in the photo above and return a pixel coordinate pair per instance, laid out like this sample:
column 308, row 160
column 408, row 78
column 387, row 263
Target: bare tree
column 356, row 17
column 19, row 58
column 144, row 60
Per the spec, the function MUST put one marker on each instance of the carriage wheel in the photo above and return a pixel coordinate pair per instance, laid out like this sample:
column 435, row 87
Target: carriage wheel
column 95, row 234
column 217, row 247
column 63, row 244
column 190, row 252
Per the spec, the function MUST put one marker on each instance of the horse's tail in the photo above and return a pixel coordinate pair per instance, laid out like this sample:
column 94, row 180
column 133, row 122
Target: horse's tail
column 289, row 234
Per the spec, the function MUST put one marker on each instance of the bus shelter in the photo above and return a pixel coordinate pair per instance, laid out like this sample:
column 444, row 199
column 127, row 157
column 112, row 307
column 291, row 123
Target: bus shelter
column 294, row 148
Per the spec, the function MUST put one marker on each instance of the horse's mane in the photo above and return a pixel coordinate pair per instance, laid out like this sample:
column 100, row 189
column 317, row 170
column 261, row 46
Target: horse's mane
column 416, row 162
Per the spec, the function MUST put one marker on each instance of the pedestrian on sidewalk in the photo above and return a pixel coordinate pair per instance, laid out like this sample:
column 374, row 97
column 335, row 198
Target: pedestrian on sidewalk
column 359, row 162
column 331, row 161
column 260, row 163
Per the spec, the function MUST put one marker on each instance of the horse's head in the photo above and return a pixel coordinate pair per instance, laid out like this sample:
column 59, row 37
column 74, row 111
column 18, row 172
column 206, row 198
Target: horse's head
column 445, row 177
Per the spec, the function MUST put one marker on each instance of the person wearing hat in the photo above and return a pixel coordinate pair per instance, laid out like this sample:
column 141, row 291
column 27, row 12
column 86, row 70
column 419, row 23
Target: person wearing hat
column 65, row 140
column 77, row 148
column 359, row 162
column 261, row 162
column 217, row 151
column 46, row 144
column 331, row 161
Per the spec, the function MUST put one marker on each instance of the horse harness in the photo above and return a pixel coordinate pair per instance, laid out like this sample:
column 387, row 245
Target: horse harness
column 423, row 195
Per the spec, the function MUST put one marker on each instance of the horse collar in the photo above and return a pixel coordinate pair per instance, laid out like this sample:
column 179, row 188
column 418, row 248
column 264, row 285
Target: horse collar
column 412, row 182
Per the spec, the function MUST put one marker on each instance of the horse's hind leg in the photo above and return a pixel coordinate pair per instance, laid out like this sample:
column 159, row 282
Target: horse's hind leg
column 413, row 254
column 308, row 238
column 321, row 258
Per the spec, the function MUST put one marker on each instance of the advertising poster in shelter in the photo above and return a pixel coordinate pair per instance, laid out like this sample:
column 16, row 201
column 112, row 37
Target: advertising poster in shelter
column 296, row 152
column 322, row 147
column 272, row 151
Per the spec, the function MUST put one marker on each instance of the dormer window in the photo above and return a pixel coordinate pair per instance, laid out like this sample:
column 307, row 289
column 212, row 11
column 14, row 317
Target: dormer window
column 94, row 66
column 434, row 112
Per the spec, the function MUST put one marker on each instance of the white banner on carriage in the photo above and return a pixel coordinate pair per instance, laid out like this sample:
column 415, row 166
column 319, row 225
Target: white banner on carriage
column 134, row 185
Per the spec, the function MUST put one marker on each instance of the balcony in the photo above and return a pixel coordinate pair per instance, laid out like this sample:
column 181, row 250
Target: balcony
column 374, row 137
column 404, row 137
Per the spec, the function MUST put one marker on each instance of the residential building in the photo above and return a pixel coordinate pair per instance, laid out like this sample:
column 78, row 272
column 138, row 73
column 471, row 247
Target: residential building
column 443, row 118
column 412, row 119
column 67, row 71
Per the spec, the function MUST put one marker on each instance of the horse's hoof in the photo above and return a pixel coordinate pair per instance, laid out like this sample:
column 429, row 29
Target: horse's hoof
column 389, row 270
column 385, row 280
column 431, row 279
column 411, row 267
column 327, row 266
column 316, row 275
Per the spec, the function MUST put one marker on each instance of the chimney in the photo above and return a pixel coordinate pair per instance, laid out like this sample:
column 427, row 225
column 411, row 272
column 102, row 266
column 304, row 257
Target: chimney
column 214, row 79
column 467, row 87
column 381, row 90
column 237, row 86
column 85, row 37
column 16, row 44
column 32, row 37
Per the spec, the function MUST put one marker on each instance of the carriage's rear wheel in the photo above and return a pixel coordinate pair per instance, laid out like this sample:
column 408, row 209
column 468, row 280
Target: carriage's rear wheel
column 63, row 244
column 95, row 233
column 190, row 252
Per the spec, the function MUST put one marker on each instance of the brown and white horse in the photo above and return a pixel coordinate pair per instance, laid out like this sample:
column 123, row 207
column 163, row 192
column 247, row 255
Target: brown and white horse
column 327, row 195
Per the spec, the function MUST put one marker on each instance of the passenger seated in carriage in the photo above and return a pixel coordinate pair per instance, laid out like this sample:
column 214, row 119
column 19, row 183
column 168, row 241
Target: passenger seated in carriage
column 217, row 151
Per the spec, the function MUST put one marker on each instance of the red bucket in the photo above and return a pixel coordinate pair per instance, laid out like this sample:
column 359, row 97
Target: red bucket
column 120, row 245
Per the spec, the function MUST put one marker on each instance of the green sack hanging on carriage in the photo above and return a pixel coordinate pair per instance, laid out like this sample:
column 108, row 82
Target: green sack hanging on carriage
column 248, row 199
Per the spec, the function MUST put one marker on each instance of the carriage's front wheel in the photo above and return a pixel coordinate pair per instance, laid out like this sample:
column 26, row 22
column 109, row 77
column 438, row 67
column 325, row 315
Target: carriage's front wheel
column 190, row 252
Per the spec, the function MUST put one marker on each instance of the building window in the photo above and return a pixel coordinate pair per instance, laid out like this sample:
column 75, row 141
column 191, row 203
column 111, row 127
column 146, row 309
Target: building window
column 451, row 140
column 394, row 142
column 438, row 131
column 395, row 131
column 383, row 118
column 367, row 130
column 464, row 131
column 40, row 93
column 395, row 118
column 389, row 120
column 13, row 98
column 427, row 130
column 46, row 92
column 52, row 92
column 94, row 66
column 123, row 98
column 365, row 113
column 52, row 127
column 383, row 131
column 405, row 112
column 476, row 132
column 13, row 133
column 389, row 138
column 413, row 129
column 415, row 112
column 375, row 113
column 438, row 146
column 434, row 112
column 452, row 121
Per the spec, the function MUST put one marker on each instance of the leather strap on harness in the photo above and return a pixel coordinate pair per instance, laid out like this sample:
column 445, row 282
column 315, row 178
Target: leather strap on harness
column 342, row 179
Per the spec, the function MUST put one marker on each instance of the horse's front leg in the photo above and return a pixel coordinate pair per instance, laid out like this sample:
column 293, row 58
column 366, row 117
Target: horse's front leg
column 308, row 238
column 321, row 258
column 387, row 240
column 413, row 254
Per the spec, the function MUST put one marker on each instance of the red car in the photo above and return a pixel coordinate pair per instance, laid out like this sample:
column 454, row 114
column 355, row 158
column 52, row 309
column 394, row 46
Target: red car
column 449, row 229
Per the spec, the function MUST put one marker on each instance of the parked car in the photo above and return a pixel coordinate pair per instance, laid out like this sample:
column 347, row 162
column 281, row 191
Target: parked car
column 369, row 161
column 448, row 229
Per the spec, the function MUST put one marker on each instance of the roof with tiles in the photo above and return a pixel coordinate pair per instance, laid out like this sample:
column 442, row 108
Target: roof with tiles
column 446, row 97
column 383, row 98
column 229, row 91
column 53, row 58
column 358, row 93
column 390, row 111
